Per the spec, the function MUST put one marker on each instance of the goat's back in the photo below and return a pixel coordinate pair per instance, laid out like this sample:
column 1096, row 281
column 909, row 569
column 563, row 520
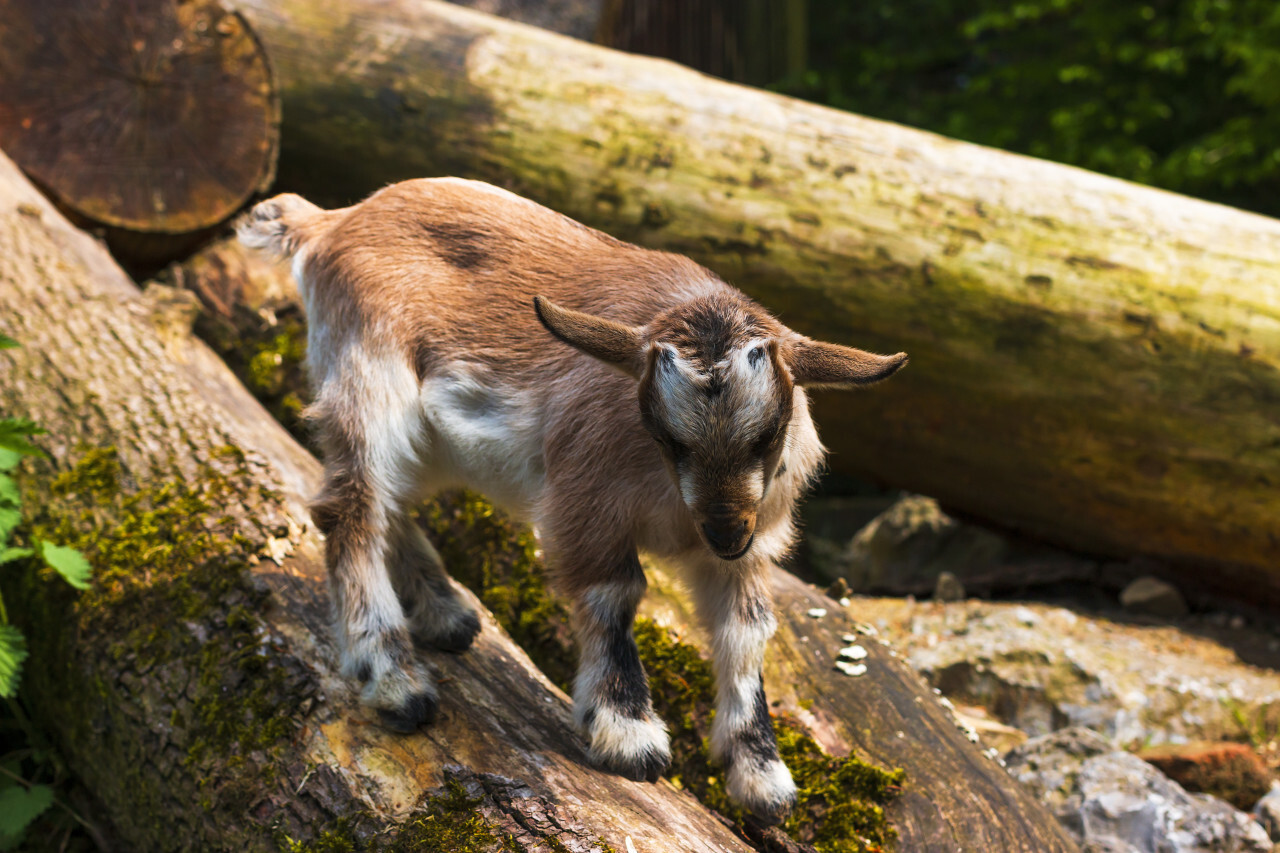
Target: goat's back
column 448, row 268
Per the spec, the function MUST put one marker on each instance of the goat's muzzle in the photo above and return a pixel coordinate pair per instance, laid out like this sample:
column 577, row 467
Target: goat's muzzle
column 729, row 533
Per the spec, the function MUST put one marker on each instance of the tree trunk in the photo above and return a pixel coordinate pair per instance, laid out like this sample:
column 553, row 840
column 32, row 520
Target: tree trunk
column 155, row 118
column 1093, row 362
column 192, row 688
column 886, row 716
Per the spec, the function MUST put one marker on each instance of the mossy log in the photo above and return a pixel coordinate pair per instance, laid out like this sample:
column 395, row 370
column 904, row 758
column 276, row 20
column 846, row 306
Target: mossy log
column 1092, row 362
column 954, row 797
column 192, row 689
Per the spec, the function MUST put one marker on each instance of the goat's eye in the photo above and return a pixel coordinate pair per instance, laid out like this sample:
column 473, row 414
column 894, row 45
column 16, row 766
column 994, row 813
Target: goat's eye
column 754, row 357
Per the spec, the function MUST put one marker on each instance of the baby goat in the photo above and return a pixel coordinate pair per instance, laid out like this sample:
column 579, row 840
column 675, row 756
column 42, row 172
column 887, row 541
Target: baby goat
column 685, row 434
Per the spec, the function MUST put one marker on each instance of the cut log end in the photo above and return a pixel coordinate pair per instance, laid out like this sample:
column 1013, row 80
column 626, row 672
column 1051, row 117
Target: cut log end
column 158, row 116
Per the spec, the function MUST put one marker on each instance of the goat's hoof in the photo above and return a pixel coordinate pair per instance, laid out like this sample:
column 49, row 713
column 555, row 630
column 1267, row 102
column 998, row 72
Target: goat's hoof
column 458, row 638
column 766, row 791
column 419, row 709
column 646, row 767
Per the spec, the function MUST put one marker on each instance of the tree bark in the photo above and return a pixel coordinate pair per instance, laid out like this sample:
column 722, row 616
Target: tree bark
column 1093, row 362
column 888, row 716
column 192, row 688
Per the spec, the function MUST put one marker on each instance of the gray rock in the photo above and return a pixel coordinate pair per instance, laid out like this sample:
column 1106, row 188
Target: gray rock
column 1114, row 801
column 1153, row 597
column 910, row 544
column 1267, row 811
column 1042, row 668
column 948, row 588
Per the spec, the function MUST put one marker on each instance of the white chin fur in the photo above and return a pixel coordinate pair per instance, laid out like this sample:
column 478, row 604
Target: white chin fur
column 755, row 787
column 617, row 739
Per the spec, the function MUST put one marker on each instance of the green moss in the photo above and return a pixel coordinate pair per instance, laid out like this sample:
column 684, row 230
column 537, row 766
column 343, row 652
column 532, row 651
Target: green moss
column 275, row 372
column 841, row 800
column 499, row 561
column 451, row 822
column 172, row 602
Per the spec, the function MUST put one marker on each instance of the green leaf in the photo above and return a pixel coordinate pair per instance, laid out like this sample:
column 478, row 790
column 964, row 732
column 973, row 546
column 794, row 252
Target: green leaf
column 7, row 342
column 18, row 807
column 13, row 651
column 9, row 491
column 8, row 555
column 68, row 562
column 10, row 517
column 13, row 436
column 8, row 459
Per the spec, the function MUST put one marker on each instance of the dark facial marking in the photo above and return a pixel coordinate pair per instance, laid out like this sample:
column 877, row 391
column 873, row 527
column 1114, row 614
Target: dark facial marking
column 755, row 356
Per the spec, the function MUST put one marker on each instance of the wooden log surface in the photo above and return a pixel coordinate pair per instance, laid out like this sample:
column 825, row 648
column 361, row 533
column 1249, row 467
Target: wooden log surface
column 1093, row 362
column 193, row 688
column 955, row 798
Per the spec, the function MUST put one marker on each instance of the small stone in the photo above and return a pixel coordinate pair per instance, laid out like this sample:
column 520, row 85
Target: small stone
column 817, row 612
column 853, row 670
column 1267, row 811
column 845, row 602
column 1025, row 616
column 948, row 588
column 853, row 653
column 1153, row 597
column 849, row 638
column 838, row 589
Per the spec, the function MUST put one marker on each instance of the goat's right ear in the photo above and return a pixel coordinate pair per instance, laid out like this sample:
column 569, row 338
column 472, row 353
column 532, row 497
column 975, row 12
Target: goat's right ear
column 613, row 343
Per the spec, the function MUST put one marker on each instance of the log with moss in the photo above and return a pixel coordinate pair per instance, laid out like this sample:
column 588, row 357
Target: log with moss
column 953, row 797
column 192, row 688
column 1093, row 362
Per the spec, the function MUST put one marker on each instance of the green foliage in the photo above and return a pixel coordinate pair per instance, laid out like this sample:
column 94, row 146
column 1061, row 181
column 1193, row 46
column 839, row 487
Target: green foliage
column 68, row 562
column 21, row 802
column 1180, row 94
column 13, row 651
column 19, row 805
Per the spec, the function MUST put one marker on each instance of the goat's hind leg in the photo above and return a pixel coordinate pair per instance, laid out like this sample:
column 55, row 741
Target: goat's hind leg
column 357, row 510
column 438, row 617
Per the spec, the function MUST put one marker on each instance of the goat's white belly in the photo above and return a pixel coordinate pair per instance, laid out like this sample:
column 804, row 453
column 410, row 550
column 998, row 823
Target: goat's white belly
column 484, row 437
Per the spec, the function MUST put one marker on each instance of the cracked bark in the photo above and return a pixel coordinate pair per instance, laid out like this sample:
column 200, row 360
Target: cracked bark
column 102, row 365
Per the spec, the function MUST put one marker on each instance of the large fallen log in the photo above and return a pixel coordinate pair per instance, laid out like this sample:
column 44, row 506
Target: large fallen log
column 1093, row 362
column 191, row 689
column 887, row 716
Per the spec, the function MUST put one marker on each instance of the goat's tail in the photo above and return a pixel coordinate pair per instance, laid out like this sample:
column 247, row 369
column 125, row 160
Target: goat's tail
column 278, row 226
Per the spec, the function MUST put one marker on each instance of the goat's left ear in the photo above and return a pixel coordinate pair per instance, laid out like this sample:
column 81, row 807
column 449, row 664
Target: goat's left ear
column 818, row 364
column 613, row 343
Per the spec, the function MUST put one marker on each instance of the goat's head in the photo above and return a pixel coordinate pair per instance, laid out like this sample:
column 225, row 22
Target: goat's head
column 716, row 384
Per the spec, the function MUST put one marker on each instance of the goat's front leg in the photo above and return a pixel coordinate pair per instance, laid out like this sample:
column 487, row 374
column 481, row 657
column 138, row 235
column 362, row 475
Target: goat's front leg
column 734, row 604
column 611, row 692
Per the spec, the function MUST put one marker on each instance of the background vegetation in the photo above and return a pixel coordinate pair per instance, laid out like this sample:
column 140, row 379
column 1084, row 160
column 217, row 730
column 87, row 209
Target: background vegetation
column 1179, row 94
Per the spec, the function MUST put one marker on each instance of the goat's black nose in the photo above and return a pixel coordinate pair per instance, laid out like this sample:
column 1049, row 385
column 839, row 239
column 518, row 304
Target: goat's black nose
column 725, row 535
